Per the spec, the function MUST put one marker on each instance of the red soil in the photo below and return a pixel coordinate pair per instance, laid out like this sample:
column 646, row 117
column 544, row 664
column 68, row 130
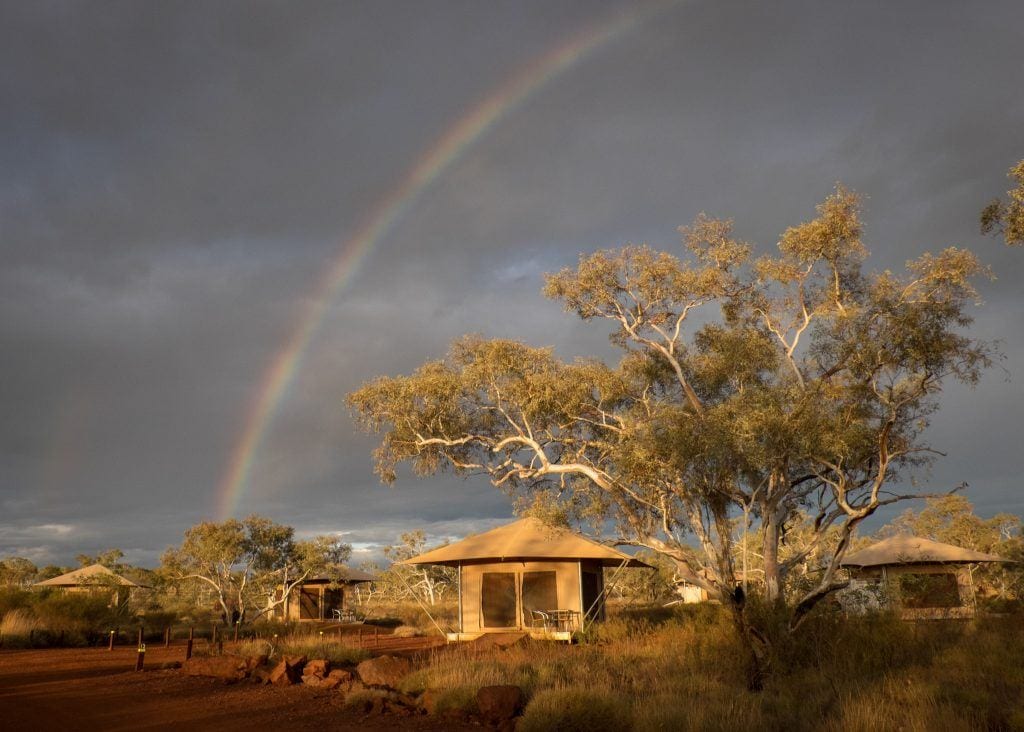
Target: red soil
column 94, row 689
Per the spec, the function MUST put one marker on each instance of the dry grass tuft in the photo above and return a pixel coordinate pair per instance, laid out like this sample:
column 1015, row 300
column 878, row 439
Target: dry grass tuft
column 685, row 672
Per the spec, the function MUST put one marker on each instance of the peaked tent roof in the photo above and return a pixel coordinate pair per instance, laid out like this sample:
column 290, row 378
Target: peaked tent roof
column 915, row 550
column 347, row 574
column 94, row 574
column 527, row 538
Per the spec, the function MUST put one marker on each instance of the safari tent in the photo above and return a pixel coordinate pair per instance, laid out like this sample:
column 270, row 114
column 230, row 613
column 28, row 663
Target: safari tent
column 94, row 578
column 527, row 577
column 321, row 598
column 923, row 579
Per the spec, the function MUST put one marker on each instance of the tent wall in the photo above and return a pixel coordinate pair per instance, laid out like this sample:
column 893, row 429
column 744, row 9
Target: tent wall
column 888, row 579
column 311, row 601
column 497, row 596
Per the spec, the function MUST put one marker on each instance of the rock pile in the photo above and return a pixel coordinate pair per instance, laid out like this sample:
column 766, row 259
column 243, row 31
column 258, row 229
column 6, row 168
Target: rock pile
column 374, row 685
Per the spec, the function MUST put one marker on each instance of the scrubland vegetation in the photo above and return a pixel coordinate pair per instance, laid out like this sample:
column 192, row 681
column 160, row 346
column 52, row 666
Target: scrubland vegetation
column 683, row 669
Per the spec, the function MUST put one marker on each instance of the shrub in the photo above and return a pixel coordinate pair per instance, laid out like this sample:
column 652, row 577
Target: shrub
column 407, row 631
column 17, row 628
column 460, row 699
column 576, row 710
column 14, row 599
column 79, row 613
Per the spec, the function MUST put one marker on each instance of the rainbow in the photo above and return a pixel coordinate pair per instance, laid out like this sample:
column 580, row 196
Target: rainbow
column 445, row 152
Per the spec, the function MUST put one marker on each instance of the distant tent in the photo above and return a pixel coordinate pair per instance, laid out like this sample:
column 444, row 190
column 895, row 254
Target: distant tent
column 900, row 550
column 322, row 597
column 923, row 579
column 91, row 579
column 528, row 576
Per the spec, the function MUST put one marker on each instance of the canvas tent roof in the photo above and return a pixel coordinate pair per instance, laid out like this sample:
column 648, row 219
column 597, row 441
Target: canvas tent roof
column 347, row 574
column 915, row 550
column 94, row 574
column 526, row 539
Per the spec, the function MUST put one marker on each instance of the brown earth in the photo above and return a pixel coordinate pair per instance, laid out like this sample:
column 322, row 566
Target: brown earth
column 93, row 689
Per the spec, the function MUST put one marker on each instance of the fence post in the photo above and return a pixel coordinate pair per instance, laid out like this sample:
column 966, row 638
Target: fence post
column 237, row 623
column 167, row 637
column 141, row 658
column 191, row 636
column 110, row 644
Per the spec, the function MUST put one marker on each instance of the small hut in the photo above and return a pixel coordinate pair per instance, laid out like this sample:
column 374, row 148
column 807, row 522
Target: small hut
column 321, row 598
column 923, row 579
column 94, row 579
column 527, row 577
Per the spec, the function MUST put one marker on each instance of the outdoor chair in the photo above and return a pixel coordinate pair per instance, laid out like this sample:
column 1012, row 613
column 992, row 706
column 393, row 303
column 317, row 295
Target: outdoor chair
column 541, row 619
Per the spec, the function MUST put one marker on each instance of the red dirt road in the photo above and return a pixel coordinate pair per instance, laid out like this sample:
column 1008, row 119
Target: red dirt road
column 96, row 689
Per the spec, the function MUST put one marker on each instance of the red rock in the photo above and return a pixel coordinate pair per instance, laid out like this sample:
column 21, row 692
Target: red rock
column 385, row 671
column 499, row 704
column 336, row 678
column 318, row 667
column 287, row 672
column 428, row 700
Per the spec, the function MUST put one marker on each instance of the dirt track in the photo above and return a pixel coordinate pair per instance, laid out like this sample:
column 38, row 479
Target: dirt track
column 97, row 689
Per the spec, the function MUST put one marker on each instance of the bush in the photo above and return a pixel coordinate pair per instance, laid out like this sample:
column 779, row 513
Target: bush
column 575, row 710
column 460, row 699
column 79, row 613
column 13, row 599
column 18, row 628
column 407, row 631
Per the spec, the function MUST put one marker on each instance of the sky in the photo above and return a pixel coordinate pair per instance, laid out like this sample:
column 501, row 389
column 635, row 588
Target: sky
column 186, row 187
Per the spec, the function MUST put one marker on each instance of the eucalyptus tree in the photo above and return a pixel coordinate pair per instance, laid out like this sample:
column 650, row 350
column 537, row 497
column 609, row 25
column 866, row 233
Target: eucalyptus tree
column 1007, row 217
column 749, row 390
column 252, row 564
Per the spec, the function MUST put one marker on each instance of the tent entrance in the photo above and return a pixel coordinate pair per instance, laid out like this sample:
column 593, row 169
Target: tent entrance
column 508, row 599
column 498, row 599
column 309, row 603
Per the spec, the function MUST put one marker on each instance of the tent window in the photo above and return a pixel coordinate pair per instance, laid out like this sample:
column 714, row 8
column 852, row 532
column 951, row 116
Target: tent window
column 539, row 593
column 498, row 599
column 929, row 590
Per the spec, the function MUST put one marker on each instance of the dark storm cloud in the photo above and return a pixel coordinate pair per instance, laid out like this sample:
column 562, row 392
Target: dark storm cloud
column 175, row 177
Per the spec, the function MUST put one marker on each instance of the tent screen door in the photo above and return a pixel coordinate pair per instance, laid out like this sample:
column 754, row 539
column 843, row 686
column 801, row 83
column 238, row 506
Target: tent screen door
column 539, row 593
column 498, row 599
column 309, row 603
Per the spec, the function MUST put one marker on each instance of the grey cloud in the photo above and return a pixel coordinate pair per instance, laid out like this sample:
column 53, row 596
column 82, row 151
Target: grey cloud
column 174, row 179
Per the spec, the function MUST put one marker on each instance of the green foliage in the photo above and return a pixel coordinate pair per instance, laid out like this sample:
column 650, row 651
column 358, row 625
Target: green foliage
column 17, row 572
column 14, row 599
column 247, row 563
column 797, row 396
column 1007, row 217
column 79, row 612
